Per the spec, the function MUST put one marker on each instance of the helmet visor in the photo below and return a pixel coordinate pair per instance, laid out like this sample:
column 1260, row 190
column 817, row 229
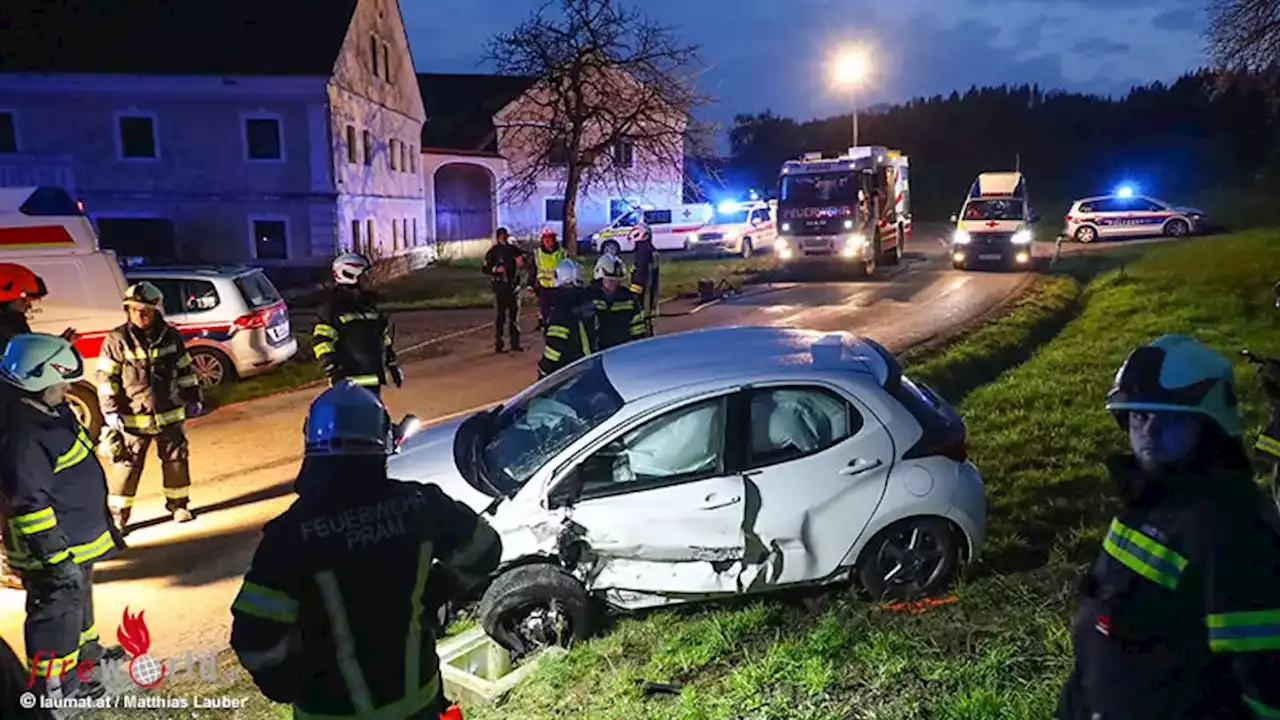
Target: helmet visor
column 69, row 366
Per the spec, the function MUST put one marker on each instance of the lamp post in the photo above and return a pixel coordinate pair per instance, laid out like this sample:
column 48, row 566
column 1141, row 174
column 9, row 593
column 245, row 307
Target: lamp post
column 850, row 70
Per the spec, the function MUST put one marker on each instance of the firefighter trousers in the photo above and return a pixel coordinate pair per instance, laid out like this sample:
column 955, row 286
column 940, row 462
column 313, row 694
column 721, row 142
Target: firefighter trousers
column 545, row 295
column 171, row 447
column 506, row 303
column 60, row 631
column 649, row 305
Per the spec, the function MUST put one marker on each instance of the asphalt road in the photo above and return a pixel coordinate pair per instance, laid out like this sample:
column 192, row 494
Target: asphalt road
column 244, row 457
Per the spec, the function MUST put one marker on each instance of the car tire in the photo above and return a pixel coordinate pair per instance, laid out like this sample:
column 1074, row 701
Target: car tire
column 520, row 602
column 212, row 367
column 1086, row 234
column 1177, row 228
column 934, row 563
column 83, row 399
column 747, row 249
column 610, row 246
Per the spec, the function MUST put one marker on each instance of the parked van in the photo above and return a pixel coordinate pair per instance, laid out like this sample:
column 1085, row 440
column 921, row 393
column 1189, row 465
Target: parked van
column 46, row 230
column 673, row 228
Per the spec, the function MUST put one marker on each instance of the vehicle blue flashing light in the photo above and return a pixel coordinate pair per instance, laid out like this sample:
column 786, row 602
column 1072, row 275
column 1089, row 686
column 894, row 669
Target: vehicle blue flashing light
column 728, row 206
column 1124, row 191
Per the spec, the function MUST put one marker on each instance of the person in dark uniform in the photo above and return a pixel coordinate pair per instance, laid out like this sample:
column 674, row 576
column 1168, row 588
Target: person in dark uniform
column 644, row 279
column 571, row 330
column 353, row 339
column 619, row 318
column 13, row 685
column 335, row 613
column 1179, row 617
column 504, row 264
column 57, row 522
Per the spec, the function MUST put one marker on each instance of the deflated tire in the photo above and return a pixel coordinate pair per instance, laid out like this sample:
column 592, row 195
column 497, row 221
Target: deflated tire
column 534, row 606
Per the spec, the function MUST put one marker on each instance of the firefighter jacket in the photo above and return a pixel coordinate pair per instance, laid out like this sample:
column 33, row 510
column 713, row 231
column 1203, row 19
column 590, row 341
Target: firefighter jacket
column 644, row 279
column 503, row 264
column 571, row 330
column 1180, row 616
column 546, row 262
column 353, row 339
column 53, row 489
column 12, row 323
column 335, row 613
column 146, row 377
column 619, row 318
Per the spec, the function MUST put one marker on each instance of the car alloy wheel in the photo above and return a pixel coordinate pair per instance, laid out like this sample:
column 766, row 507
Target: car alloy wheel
column 910, row 559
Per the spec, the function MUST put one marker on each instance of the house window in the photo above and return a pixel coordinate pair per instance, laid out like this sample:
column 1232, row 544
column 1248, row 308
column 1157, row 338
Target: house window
column 415, row 232
column 404, row 158
column 558, row 154
column 8, row 132
column 413, row 159
column 553, row 210
column 271, row 239
column 138, row 137
column 368, row 148
column 624, row 152
column 395, row 233
column 262, row 139
column 370, row 240
column 355, row 235
column 373, row 54
column 352, row 152
column 386, row 62
column 392, row 155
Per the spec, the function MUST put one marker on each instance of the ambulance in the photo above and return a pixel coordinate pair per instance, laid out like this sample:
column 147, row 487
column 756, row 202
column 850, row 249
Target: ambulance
column 672, row 227
column 994, row 226
column 47, row 231
column 737, row 228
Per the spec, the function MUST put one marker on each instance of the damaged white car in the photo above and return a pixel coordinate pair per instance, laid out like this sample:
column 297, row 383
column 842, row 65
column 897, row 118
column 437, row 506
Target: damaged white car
column 706, row 464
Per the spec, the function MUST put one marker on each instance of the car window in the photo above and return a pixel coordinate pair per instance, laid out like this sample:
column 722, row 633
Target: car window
column 1089, row 207
column 199, row 296
column 628, row 220
column 547, row 418
column 790, row 423
column 657, row 217
column 172, row 291
column 257, row 289
column 1150, row 205
column 684, row 444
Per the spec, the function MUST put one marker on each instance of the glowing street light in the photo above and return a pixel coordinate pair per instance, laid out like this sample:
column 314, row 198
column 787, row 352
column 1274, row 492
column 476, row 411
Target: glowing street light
column 850, row 71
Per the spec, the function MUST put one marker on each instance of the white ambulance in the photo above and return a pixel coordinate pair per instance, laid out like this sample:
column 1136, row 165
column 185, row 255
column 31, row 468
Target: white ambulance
column 672, row 228
column 994, row 227
column 738, row 228
column 47, row 231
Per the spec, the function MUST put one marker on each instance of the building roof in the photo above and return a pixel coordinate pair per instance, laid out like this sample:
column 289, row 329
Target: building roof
column 460, row 108
column 174, row 37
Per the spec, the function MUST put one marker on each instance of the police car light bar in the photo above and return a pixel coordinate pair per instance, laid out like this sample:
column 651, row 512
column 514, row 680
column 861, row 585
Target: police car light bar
column 1124, row 191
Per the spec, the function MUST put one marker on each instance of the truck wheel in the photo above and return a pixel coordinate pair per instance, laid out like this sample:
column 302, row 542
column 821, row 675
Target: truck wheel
column 747, row 249
column 610, row 246
column 83, row 399
column 535, row 606
column 894, row 256
column 869, row 266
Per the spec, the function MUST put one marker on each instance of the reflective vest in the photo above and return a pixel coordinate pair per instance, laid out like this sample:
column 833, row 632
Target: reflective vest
column 547, row 262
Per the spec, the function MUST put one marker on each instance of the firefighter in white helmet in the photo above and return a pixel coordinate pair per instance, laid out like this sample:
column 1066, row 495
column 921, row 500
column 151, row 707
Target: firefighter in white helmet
column 619, row 316
column 353, row 339
column 147, row 388
column 571, row 329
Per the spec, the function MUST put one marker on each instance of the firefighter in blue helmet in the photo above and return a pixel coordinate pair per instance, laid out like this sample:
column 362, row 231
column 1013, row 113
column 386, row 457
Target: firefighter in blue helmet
column 334, row 616
column 1179, row 617
column 54, row 507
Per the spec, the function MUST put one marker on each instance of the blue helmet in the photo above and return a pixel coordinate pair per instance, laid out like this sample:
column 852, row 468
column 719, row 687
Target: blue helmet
column 348, row 420
column 35, row 362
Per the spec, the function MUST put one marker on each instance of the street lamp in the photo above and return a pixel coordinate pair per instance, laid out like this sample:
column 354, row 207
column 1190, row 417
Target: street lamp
column 850, row 71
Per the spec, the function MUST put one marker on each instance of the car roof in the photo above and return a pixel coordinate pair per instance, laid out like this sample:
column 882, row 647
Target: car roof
column 642, row 368
column 191, row 271
column 1096, row 198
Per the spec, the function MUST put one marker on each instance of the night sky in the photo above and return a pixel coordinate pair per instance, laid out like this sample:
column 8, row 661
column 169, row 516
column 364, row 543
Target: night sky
column 773, row 53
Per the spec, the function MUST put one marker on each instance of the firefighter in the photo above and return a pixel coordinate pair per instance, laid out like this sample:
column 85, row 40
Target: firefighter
column 618, row 315
column 503, row 264
column 58, row 525
column 644, row 279
column 353, row 339
column 13, row 685
column 349, row 572
column 571, row 328
column 147, row 388
column 547, row 258
column 1179, row 617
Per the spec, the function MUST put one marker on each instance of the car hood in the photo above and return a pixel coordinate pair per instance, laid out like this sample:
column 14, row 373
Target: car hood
column 977, row 227
column 727, row 228
column 428, row 457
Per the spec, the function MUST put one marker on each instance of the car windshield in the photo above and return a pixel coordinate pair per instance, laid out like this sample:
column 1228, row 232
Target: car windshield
column 1002, row 209
column 820, row 188
column 547, row 418
column 731, row 217
column 257, row 290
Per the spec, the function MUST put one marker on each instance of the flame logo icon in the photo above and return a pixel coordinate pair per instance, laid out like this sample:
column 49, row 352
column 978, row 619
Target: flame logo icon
column 135, row 638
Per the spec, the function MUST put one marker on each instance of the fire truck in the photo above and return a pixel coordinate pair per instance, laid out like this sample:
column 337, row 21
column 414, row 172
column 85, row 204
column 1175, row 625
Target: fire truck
column 854, row 208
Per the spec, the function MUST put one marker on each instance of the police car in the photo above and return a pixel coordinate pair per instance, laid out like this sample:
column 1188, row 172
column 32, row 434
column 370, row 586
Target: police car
column 1124, row 214
column 738, row 228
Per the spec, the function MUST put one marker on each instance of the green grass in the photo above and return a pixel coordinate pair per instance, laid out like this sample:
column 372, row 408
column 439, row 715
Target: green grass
column 300, row 370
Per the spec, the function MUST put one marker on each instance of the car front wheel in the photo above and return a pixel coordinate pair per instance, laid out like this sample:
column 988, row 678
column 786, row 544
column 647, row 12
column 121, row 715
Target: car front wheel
column 910, row 559
column 531, row 607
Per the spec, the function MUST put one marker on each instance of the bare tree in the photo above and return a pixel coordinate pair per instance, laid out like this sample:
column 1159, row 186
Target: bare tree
column 611, row 108
column 1244, row 35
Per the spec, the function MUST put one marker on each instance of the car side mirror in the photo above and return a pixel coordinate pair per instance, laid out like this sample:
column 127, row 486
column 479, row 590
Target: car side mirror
column 566, row 491
column 405, row 429
column 955, row 218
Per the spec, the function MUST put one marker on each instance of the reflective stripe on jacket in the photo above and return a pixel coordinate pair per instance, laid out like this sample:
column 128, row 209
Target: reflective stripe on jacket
column 619, row 318
column 353, row 339
column 146, row 377
column 54, row 490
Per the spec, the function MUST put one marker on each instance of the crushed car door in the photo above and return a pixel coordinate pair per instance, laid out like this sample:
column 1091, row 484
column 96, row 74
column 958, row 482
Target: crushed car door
column 817, row 464
column 657, row 509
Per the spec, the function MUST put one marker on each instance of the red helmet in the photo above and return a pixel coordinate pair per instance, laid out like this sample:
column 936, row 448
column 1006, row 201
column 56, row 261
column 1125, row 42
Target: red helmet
column 17, row 282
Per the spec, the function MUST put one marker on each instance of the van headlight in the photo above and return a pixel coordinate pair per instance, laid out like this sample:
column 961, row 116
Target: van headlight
column 595, row 236
column 848, row 224
column 786, row 227
column 693, row 237
column 960, row 237
column 1022, row 237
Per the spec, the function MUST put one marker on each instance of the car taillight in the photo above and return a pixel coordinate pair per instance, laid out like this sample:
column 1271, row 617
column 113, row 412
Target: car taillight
column 254, row 320
column 1068, row 218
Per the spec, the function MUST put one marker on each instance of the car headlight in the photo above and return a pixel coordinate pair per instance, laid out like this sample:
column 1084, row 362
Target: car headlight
column 595, row 236
column 848, row 224
column 693, row 237
column 960, row 237
column 786, row 227
column 1022, row 237
column 856, row 240
column 780, row 243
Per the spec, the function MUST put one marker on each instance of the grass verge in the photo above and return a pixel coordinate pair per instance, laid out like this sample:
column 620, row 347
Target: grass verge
column 300, row 370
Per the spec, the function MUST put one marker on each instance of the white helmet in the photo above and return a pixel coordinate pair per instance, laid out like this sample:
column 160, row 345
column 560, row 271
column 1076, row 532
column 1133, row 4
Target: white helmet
column 640, row 233
column 35, row 362
column 567, row 273
column 348, row 267
column 610, row 266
